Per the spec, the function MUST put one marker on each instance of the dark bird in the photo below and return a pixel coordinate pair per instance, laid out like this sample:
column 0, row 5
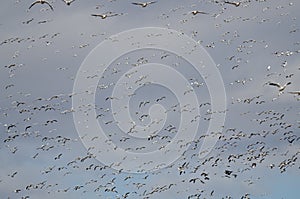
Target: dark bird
column 193, row 180
column 11, row 126
column 143, row 4
column 41, row 2
column 8, row 86
column 126, row 195
column 227, row 172
column 27, row 127
column 19, row 103
column 159, row 99
column 182, row 168
column 13, row 174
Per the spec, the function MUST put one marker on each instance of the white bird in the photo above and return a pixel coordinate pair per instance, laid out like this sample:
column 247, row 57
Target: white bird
column 280, row 88
column 68, row 2
column 236, row 4
column 195, row 12
column 41, row 2
column 143, row 4
column 104, row 16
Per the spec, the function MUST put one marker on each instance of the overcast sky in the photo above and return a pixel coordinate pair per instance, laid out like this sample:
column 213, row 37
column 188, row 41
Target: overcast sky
column 42, row 154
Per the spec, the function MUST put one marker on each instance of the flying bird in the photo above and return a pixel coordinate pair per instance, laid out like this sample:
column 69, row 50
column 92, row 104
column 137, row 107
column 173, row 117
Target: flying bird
column 104, row 16
column 68, row 2
column 143, row 4
column 8, row 86
column 41, row 2
column 228, row 172
column 236, row 4
column 280, row 88
column 195, row 12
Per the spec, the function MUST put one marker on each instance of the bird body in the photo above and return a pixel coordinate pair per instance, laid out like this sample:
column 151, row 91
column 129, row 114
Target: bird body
column 68, row 2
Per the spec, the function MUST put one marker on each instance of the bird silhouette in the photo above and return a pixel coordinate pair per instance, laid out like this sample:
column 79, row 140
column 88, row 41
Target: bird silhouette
column 104, row 16
column 41, row 2
column 195, row 12
column 294, row 92
column 280, row 88
column 68, row 2
column 236, row 4
column 143, row 4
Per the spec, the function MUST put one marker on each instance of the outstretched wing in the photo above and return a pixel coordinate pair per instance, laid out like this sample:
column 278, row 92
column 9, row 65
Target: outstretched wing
column 33, row 4
column 99, row 15
column 49, row 5
column 274, row 84
column 198, row 12
column 150, row 2
column 137, row 3
column 68, row 2
column 112, row 15
column 288, row 83
column 201, row 12
column 294, row 92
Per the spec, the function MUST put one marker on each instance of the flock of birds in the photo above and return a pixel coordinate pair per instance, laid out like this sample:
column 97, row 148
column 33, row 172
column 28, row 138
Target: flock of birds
column 110, row 14
column 69, row 2
column 265, row 139
column 142, row 4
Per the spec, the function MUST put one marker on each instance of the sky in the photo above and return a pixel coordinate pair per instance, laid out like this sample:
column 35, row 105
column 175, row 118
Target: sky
column 97, row 108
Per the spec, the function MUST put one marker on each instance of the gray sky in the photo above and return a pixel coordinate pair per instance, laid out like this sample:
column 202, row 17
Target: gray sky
column 41, row 52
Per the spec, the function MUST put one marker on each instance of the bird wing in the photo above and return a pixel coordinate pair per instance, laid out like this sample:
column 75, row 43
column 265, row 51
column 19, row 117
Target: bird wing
column 112, row 15
column 96, row 15
column 295, row 92
column 49, row 5
column 288, row 83
column 33, row 4
column 201, row 12
column 150, row 2
column 274, row 84
column 198, row 12
column 137, row 3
